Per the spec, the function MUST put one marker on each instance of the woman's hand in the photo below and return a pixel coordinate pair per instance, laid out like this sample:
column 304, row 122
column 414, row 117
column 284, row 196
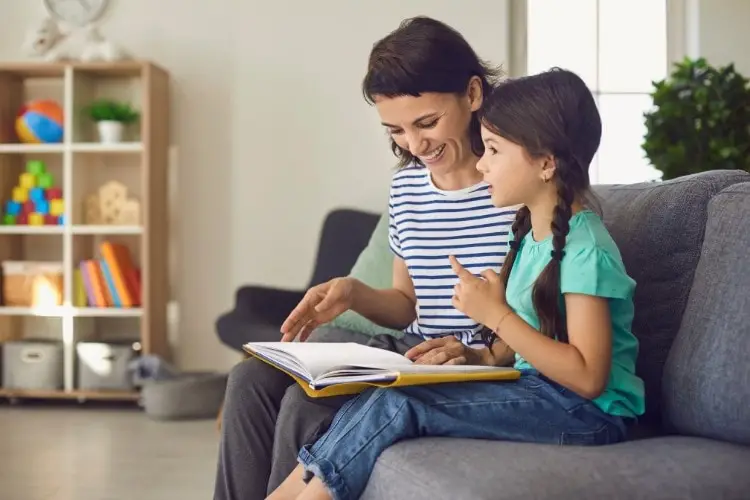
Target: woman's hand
column 321, row 304
column 480, row 299
column 446, row 351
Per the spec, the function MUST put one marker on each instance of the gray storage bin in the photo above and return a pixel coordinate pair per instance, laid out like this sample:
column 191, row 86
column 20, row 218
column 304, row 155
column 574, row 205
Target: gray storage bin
column 33, row 364
column 193, row 395
column 104, row 366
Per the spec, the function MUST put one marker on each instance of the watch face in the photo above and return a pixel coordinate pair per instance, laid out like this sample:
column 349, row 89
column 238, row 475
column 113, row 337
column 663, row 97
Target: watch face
column 76, row 12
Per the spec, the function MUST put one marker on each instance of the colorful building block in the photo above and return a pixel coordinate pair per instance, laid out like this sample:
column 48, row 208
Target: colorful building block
column 35, row 167
column 36, row 219
column 61, row 220
column 12, row 207
column 50, row 220
column 36, row 194
column 27, row 207
column 9, row 220
column 22, row 219
column 41, row 207
column 20, row 194
column 54, row 193
column 27, row 180
column 45, row 180
column 57, row 207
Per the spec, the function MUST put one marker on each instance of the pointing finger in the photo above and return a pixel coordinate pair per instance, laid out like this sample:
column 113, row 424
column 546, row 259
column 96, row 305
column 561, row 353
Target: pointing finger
column 460, row 270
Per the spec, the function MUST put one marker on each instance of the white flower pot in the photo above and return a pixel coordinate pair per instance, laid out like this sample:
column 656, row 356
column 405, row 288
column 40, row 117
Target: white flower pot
column 110, row 132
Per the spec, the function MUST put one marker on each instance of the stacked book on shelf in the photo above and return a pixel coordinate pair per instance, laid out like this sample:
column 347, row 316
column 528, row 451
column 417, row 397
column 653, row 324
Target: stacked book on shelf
column 110, row 281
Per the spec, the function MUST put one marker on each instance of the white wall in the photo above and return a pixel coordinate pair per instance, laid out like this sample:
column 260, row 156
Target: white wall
column 724, row 34
column 271, row 128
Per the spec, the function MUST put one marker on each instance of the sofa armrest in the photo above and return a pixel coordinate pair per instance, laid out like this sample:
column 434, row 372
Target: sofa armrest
column 257, row 315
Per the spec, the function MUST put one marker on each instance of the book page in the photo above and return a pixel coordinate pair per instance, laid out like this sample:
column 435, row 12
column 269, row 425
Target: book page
column 318, row 358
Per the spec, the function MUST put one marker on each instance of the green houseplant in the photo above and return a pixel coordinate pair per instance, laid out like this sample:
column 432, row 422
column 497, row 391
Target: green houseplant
column 700, row 120
column 111, row 116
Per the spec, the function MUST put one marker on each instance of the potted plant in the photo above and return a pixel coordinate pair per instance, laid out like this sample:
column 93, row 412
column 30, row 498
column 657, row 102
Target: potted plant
column 700, row 120
column 111, row 117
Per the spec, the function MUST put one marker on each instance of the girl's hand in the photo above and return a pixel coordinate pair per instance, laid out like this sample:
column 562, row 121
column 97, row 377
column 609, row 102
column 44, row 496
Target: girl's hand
column 480, row 299
column 446, row 351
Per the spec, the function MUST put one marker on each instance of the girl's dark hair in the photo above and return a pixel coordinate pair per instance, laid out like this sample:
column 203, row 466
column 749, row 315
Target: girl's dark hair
column 551, row 113
column 425, row 55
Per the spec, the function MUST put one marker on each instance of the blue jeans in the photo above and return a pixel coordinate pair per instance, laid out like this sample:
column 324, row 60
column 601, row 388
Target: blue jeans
column 532, row 409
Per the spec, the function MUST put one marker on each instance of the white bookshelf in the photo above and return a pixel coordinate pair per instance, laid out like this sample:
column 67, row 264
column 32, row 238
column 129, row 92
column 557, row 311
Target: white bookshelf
column 80, row 164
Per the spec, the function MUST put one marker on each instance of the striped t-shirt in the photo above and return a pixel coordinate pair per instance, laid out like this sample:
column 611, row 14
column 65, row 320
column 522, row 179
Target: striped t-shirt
column 427, row 225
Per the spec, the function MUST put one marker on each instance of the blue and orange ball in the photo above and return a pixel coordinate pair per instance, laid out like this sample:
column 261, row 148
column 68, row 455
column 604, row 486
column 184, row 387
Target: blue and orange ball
column 40, row 121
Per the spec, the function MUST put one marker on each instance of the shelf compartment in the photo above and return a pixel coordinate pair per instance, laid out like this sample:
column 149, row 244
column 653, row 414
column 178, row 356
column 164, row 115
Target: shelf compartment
column 74, row 394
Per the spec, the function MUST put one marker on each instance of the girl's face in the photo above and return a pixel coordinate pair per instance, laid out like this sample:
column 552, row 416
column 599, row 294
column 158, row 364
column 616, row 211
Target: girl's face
column 434, row 127
column 515, row 178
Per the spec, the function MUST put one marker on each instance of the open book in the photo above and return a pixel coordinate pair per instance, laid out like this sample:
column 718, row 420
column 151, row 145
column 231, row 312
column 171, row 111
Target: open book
column 333, row 369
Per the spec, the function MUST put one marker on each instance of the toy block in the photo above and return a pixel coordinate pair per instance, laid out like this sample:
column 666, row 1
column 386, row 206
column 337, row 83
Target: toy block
column 61, row 220
column 130, row 213
column 54, row 193
column 9, row 220
column 27, row 180
column 36, row 194
column 56, row 207
column 22, row 219
column 12, row 207
column 36, row 219
column 45, row 180
column 42, row 207
column 92, row 210
column 35, row 167
column 50, row 220
column 27, row 207
column 112, row 195
column 20, row 194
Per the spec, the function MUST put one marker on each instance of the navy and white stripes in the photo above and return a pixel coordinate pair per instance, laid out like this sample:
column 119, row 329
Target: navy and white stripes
column 426, row 226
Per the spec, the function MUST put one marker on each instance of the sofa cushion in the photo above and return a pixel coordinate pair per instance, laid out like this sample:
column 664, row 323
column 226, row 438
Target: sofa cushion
column 707, row 374
column 666, row 467
column 374, row 267
column 659, row 229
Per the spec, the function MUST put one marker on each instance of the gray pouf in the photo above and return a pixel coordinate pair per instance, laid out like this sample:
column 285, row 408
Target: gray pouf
column 190, row 395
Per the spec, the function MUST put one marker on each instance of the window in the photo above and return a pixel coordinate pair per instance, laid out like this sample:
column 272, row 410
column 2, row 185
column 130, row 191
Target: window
column 619, row 48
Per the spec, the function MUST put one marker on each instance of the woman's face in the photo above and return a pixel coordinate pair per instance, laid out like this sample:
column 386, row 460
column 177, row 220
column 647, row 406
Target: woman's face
column 434, row 127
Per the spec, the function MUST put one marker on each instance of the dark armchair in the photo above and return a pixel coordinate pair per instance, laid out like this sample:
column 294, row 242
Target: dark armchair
column 259, row 311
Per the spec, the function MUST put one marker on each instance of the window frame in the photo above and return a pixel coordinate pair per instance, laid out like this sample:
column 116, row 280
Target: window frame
column 682, row 41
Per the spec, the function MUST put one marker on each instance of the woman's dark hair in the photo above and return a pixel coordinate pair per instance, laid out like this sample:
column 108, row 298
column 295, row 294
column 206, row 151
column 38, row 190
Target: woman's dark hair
column 425, row 55
column 548, row 114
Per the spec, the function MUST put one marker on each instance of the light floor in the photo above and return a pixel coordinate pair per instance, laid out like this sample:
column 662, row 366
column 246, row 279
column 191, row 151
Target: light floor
column 83, row 453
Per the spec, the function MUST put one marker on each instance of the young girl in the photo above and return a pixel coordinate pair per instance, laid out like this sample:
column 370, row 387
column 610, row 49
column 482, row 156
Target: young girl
column 563, row 302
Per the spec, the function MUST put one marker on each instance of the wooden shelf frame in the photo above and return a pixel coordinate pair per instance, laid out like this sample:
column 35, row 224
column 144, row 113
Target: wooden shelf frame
column 149, row 153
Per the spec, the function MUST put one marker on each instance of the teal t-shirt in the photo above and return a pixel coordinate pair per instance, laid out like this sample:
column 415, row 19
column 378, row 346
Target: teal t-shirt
column 592, row 265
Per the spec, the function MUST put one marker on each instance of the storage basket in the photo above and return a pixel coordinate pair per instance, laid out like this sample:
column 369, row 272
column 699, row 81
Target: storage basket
column 32, row 284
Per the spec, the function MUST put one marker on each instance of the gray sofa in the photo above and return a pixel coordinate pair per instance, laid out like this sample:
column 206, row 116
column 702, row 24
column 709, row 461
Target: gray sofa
column 687, row 244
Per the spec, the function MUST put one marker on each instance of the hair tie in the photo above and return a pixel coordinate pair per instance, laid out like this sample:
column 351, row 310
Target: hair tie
column 558, row 255
column 515, row 245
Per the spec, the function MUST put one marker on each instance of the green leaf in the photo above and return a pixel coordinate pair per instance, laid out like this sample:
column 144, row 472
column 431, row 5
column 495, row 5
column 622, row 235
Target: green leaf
column 699, row 120
column 111, row 110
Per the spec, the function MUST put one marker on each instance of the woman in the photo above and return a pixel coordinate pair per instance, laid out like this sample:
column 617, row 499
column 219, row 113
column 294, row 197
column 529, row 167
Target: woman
column 563, row 302
column 427, row 85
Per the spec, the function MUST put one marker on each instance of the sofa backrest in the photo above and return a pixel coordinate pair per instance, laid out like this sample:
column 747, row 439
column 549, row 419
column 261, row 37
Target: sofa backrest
column 706, row 388
column 659, row 229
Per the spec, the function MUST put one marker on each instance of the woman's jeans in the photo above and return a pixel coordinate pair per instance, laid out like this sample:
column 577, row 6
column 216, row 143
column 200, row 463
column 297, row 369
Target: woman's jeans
column 532, row 409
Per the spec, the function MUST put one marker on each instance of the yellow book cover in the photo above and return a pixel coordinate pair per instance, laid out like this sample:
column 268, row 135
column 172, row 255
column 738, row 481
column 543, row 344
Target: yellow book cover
column 79, row 291
column 325, row 369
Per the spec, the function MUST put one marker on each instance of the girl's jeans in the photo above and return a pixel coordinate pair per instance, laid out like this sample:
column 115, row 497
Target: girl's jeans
column 532, row 409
